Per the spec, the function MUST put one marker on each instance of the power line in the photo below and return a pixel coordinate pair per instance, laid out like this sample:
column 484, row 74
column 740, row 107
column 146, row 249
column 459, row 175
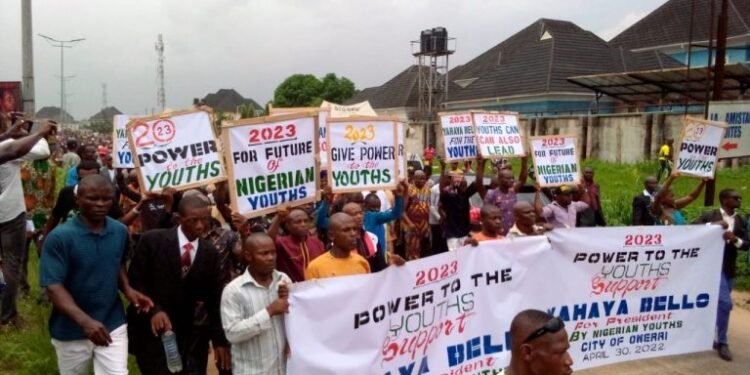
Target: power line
column 62, row 44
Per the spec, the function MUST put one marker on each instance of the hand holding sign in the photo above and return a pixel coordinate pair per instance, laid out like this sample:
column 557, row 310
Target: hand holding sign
column 272, row 162
column 698, row 154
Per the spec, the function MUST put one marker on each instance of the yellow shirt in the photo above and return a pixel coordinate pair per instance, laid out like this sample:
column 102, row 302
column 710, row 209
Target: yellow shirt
column 664, row 152
column 327, row 265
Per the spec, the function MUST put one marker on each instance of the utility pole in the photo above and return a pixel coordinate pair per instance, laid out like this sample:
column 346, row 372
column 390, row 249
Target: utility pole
column 28, row 58
column 104, row 95
column 161, row 99
column 62, row 44
column 721, row 53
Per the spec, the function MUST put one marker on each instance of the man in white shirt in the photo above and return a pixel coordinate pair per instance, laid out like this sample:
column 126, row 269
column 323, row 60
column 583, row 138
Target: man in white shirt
column 13, row 227
column 437, row 238
column 252, row 308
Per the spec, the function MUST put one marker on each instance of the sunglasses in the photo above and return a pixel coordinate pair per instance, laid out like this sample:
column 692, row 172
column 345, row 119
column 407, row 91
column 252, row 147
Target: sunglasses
column 552, row 326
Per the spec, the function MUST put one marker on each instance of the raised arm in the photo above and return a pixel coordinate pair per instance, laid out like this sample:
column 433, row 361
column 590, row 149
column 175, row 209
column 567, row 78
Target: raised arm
column 659, row 198
column 538, row 208
column 281, row 214
column 686, row 200
column 524, row 175
column 479, row 179
column 401, row 193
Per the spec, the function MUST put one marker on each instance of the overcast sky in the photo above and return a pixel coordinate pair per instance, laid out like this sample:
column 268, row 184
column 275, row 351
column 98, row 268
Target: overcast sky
column 253, row 45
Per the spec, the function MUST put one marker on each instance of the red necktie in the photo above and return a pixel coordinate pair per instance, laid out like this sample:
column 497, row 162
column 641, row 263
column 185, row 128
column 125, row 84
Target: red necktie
column 185, row 258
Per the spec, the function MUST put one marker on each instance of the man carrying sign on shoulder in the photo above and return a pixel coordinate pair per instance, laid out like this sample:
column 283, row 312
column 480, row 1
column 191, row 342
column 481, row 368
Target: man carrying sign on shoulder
column 504, row 196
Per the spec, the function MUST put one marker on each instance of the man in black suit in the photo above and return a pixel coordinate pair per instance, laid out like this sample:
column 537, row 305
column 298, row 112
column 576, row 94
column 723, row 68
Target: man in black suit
column 180, row 271
column 642, row 203
column 735, row 238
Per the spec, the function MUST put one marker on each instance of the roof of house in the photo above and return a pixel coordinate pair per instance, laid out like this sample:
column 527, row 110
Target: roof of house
column 399, row 91
column 540, row 58
column 105, row 114
column 670, row 24
column 53, row 113
column 227, row 100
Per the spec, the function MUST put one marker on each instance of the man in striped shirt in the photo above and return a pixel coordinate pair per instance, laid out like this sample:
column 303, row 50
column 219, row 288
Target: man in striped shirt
column 252, row 306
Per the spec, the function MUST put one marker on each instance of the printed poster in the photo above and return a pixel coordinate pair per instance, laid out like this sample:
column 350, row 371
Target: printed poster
column 363, row 154
column 175, row 150
column 271, row 162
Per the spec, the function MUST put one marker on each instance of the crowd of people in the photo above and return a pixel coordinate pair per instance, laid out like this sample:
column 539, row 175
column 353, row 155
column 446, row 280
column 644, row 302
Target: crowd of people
column 191, row 268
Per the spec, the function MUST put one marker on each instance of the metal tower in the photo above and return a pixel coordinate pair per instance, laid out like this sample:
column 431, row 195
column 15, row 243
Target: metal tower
column 432, row 51
column 161, row 99
column 104, row 95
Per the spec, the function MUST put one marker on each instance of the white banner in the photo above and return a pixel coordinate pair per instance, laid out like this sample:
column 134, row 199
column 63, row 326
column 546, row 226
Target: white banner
column 175, row 150
column 121, row 156
column 698, row 152
column 271, row 162
column 736, row 114
column 634, row 292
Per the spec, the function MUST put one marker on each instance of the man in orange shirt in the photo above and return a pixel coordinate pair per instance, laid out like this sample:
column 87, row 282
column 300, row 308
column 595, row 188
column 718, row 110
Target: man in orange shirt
column 341, row 260
column 492, row 225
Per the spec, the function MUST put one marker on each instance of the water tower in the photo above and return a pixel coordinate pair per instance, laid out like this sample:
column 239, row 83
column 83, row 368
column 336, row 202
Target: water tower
column 432, row 51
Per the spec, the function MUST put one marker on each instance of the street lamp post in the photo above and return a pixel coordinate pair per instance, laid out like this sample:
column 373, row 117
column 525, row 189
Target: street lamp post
column 62, row 44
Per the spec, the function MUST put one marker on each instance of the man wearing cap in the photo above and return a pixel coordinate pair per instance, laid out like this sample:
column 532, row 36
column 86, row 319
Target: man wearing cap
column 562, row 212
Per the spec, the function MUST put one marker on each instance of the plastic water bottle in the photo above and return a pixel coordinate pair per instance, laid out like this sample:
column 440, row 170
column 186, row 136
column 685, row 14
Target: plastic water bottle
column 174, row 361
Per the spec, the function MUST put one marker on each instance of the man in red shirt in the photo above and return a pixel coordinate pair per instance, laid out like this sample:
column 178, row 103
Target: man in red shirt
column 297, row 248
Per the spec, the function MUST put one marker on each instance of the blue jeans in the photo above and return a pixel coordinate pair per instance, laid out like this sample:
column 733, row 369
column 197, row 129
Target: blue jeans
column 725, row 307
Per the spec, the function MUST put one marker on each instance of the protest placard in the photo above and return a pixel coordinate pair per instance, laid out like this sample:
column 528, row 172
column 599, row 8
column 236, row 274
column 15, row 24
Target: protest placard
column 698, row 152
column 176, row 149
column 498, row 135
column 340, row 110
column 458, row 136
column 400, row 140
column 363, row 154
column 271, row 162
column 322, row 128
column 629, row 295
column 121, row 156
column 556, row 160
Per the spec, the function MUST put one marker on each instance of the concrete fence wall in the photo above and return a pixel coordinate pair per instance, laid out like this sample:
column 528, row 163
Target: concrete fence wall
column 624, row 138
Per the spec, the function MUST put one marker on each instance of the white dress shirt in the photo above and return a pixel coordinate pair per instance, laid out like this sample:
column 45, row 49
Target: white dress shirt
column 729, row 219
column 258, row 340
column 182, row 240
column 435, row 205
